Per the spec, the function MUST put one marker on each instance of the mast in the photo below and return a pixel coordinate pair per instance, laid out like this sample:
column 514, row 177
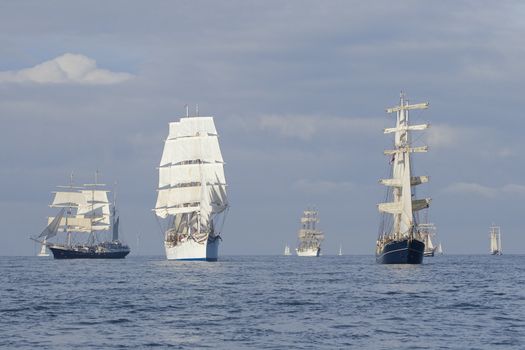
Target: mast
column 114, row 219
column 403, row 205
column 68, row 233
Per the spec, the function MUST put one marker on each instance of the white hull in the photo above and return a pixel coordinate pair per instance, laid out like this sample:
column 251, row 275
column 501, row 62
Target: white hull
column 308, row 252
column 191, row 250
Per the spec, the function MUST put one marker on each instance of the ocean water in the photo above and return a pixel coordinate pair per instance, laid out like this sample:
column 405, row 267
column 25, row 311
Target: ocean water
column 263, row 302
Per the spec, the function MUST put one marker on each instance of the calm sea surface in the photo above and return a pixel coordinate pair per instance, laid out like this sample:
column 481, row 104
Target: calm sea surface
column 263, row 302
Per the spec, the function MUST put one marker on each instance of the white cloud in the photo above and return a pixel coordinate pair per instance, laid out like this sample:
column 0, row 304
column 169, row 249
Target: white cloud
column 445, row 136
column 484, row 191
column 305, row 127
column 322, row 186
column 68, row 68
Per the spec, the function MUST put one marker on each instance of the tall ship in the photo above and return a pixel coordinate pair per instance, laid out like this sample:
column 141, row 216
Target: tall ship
column 399, row 241
column 287, row 250
column 495, row 240
column 310, row 238
column 192, row 203
column 80, row 228
column 428, row 234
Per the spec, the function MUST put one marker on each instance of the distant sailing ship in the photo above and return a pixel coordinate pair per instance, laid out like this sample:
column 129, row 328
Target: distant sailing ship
column 439, row 249
column 287, row 250
column 309, row 237
column 192, row 203
column 428, row 234
column 340, row 250
column 399, row 241
column 495, row 240
column 43, row 249
column 84, row 211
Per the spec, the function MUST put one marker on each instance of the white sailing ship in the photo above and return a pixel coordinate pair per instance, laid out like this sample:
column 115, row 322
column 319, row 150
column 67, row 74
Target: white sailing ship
column 439, row 249
column 309, row 237
column 192, row 203
column 428, row 234
column 399, row 241
column 287, row 250
column 43, row 249
column 495, row 240
column 340, row 250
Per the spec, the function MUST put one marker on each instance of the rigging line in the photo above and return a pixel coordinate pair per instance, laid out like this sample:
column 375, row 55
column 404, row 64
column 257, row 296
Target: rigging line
column 160, row 226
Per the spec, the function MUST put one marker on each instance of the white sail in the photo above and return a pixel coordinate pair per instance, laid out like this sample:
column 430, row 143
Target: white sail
column 73, row 223
column 191, row 193
column 96, row 209
column 495, row 240
column 66, row 199
column 52, row 227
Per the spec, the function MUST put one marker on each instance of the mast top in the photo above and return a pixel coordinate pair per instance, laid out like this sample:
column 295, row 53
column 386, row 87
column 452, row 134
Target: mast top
column 96, row 184
column 403, row 104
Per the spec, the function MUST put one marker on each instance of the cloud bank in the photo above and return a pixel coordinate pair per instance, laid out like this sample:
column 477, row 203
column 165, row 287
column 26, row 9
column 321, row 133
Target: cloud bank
column 484, row 191
column 66, row 69
column 322, row 187
column 306, row 127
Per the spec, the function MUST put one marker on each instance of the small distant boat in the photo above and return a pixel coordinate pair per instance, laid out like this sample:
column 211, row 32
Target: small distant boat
column 43, row 249
column 309, row 237
column 340, row 250
column 439, row 249
column 495, row 240
column 428, row 234
column 399, row 241
column 287, row 250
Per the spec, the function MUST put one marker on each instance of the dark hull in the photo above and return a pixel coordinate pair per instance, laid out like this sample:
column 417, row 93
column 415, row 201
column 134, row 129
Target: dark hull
column 407, row 251
column 64, row 253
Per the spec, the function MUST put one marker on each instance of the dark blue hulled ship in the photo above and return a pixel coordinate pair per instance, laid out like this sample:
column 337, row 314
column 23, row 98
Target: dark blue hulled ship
column 399, row 240
column 85, row 216
column 104, row 250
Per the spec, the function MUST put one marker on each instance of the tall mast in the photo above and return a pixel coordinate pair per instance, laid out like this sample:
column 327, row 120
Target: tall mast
column 499, row 240
column 403, row 205
column 114, row 221
column 68, row 233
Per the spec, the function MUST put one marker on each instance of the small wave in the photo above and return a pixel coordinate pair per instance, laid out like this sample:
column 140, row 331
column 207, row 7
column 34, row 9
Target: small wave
column 295, row 303
column 118, row 320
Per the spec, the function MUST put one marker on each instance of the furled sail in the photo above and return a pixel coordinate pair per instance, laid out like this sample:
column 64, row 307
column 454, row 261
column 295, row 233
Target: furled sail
column 115, row 229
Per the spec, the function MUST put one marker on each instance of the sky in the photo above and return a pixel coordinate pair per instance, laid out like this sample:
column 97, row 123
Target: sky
column 298, row 90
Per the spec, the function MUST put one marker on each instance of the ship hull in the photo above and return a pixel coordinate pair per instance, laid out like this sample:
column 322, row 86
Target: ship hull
column 429, row 253
column 496, row 252
column 308, row 252
column 193, row 251
column 406, row 251
column 71, row 253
